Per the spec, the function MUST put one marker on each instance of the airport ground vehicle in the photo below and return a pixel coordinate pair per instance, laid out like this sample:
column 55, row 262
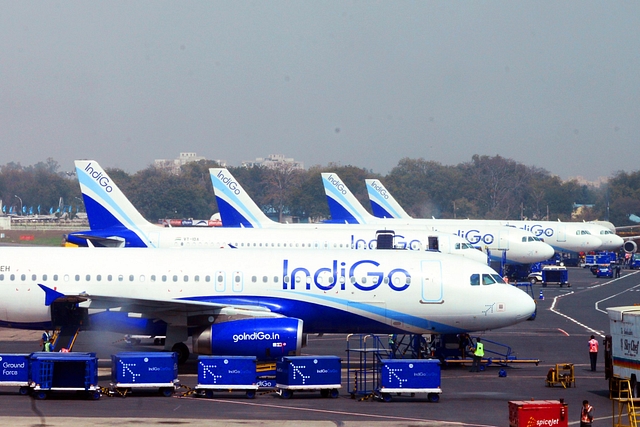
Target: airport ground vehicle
column 604, row 271
column 621, row 355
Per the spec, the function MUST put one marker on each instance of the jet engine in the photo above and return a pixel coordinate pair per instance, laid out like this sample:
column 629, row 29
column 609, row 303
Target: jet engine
column 265, row 338
column 630, row 246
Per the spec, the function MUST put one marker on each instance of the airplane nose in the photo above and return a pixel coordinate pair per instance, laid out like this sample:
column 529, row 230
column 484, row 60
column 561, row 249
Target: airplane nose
column 611, row 242
column 545, row 251
column 523, row 306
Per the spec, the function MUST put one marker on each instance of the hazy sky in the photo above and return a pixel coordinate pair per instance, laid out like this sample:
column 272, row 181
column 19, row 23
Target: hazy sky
column 552, row 84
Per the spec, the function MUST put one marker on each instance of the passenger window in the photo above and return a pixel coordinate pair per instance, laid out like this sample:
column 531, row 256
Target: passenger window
column 88, row 278
column 120, row 278
column 153, row 277
column 265, row 279
column 99, row 277
column 1, row 276
column 131, row 278
column 34, row 278
column 141, row 278
column 207, row 278
column 254, row 279
column 109, row 278
column 186, row 278
column 164, row 278
column 175, row 278
column 13, row 277
column 196, row 278
column 275, row 279
column 475, row 280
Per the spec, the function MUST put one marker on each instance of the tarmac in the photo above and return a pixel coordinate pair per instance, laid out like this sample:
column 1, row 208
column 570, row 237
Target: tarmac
column 566, row 317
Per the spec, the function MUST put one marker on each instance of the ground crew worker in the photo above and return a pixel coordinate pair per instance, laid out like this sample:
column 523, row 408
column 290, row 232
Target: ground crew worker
column 45, row 337
column 593, row 352
column 47, row 345
column 586, row 414
column 478, row 353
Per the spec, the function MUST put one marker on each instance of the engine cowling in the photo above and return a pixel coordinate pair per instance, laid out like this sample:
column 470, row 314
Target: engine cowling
column 264, row 338
column 630, row 246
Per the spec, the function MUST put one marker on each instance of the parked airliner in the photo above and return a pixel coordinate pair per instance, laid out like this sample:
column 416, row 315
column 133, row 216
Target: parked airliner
column 115, row 222
column 567, row 237
column 253, row 302
column 517, row 246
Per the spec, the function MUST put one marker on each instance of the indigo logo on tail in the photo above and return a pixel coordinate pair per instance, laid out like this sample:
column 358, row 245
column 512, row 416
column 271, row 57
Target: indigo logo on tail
column 229, row 182
column 102, row 180
column 337, row 183
column 380, row 189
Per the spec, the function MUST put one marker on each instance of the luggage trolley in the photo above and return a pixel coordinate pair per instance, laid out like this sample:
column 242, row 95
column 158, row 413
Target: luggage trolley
column 308, row 373
column 15, row 371
column 398, row 376
column 227, row 373
column 60, row 372
column 132, row 371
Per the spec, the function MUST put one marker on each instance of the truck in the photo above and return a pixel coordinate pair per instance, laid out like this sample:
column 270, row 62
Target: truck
column 634, row 262
column 621, row 355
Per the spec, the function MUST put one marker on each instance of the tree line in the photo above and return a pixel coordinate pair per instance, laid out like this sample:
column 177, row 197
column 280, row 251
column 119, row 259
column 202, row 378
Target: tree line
column 484, row 188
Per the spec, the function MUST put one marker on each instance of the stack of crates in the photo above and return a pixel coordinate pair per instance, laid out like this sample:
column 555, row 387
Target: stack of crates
column 15, row 371
column 409, row 376
column 308, row 373
column 132, row 371
column 230, row 373
column 53, row 372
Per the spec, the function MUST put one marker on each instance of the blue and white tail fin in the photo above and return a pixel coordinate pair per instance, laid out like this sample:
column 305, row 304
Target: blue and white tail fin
column 343, row 205
column 237, row 209
column 108, row 208
column 382, row 202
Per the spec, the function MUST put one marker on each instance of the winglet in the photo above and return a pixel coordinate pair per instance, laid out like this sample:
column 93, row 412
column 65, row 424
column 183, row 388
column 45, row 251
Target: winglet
column 50, row 295
column 382, row 202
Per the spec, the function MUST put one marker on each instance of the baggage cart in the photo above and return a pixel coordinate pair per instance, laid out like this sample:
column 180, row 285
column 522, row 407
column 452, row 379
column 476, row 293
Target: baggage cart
column 308, row 373
column 524, row 413
column 60, row 372
column 402, row 376
column 132, row 371
column 555, row 274
column 562, row 374
column 15, row 371
column 228, row 373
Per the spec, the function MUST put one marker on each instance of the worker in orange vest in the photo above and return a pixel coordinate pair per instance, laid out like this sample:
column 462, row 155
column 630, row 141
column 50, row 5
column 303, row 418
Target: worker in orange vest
column 586, row 414
column 593, row 352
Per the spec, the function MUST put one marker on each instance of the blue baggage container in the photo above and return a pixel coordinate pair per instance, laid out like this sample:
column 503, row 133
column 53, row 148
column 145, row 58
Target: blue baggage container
column 308, row 373
column 231, row 373
column 15, row 371
column 64, row 372
column 144, row 370
column 410, row 376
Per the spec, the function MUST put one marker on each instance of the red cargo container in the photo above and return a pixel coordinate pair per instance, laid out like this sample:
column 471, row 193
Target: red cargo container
column 526, row 413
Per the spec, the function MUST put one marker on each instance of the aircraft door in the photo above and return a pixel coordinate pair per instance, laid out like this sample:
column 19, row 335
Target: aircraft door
column 221, row 281
column 432, row 289
column 562, row 233
column 503, row 240
column 238, row 284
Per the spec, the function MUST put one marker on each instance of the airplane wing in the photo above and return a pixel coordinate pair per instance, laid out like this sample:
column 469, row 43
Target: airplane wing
column 97, row 241
column 158, row 308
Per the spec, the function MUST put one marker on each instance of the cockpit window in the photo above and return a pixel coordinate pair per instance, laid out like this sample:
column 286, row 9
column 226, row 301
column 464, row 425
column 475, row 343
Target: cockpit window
column 498, row 278
column 475, row 280
column 583, row 233
column 487, row 279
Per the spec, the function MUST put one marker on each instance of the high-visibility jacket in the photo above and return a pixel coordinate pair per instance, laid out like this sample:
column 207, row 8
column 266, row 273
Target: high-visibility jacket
column 479, row 349
column 593, row 346
column 586, row 415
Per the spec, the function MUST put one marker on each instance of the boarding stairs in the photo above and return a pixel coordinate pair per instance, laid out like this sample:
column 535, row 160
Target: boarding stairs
column 628, row 407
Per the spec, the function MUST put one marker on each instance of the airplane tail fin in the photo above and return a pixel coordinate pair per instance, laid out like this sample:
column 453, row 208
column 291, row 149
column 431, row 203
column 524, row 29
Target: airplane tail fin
column 107, row 207
column 382, row 202
column 237, row 209
column 343, row 205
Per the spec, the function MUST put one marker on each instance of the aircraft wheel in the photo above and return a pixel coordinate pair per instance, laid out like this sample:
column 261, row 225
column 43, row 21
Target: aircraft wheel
column 182, row 350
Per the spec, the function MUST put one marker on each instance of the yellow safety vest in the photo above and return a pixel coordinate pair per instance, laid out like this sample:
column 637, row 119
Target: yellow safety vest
column 479, row 349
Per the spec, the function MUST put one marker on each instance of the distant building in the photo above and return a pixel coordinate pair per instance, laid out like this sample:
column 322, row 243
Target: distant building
column 173, row 165
column 274, row 161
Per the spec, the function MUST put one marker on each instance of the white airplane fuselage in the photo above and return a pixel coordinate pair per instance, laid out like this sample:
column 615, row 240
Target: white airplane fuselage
column 330, row 291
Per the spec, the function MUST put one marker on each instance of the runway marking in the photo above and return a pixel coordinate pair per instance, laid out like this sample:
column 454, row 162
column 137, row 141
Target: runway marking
column 563, row 331
column 614, row 295
column 555, row 299
column 327, row 411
